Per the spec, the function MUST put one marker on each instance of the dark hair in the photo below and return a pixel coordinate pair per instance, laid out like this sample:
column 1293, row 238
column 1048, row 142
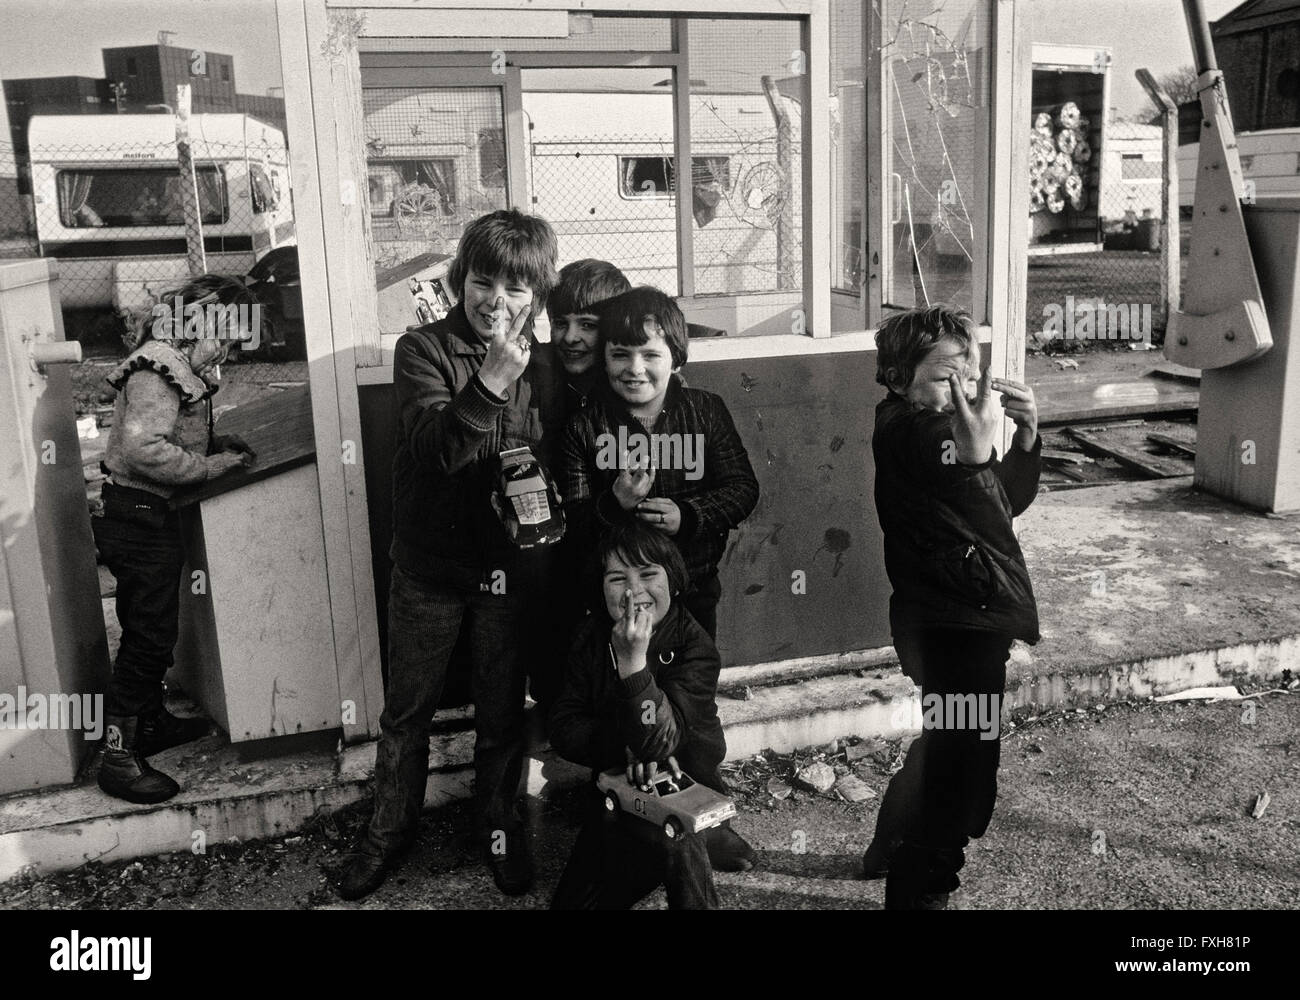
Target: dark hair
column 903, row 341
column 583, row 284
column 622, row 320
column 226, row 289
column 522, row 247
column 637, row 544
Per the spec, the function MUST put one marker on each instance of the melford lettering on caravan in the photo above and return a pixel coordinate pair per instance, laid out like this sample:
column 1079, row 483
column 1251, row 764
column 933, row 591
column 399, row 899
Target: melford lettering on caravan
column 95, row 954
column 56, row 711
column 662, row 451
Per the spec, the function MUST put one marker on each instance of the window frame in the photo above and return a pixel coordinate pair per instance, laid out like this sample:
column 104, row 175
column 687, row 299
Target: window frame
column 216, row 168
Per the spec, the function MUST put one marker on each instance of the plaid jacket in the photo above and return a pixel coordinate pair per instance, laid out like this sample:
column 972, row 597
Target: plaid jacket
column 712, row 505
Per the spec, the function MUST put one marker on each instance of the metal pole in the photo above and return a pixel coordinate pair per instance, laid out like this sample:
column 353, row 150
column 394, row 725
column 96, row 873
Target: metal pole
column 1202, row 43
column 189, row 185
column 785, row 220
column 1170, row 236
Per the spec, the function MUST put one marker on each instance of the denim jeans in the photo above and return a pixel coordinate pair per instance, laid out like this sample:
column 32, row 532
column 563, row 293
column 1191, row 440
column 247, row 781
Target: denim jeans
column 618, row 862
column 424, row 620
column 945, row 792
column 139, row 541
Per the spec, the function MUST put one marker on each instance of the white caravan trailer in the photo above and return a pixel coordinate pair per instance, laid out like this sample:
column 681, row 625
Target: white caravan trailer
column 1270, row 163
column 600, row 168
column 107, row 195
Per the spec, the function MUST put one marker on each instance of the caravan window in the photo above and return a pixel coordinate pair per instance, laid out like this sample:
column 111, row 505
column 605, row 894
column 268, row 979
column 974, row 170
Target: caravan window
column 409, row 189
column 656, row 176
column 112, row 196
column 266, row 198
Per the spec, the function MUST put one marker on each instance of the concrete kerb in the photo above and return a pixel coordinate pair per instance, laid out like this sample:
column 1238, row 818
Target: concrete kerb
column 795, row 706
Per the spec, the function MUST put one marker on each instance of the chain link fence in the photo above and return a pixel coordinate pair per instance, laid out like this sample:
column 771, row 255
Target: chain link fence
column 1096, row 215
column 109, row 208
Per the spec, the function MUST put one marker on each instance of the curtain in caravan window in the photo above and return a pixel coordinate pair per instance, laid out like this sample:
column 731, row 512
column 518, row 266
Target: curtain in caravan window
column 74, row 191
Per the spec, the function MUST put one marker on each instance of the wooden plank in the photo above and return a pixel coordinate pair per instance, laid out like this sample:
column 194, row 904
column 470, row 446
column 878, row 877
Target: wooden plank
column 414, row 22
column 278, row 429
column 303, row 35
column 708, row 8
column 682, row 151
column 1012, row 73
column 1173, row 444
column 816, row 205
column 1151, row 466
column 1180, row 373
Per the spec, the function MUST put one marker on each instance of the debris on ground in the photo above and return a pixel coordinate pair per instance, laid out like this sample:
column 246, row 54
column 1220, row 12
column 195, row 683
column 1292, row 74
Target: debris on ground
column 816, row 777
column 851, row 788
column 1261, row 803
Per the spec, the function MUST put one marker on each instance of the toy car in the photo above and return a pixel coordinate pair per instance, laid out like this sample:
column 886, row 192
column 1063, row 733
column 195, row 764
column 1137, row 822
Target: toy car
column 678, row 805
column 526, row 500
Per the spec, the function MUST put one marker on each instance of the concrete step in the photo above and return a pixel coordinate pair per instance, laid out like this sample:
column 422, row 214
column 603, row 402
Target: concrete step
column 777, row 706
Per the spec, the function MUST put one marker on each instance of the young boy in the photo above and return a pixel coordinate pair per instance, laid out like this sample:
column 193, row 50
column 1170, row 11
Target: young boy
column 575, row 343
column 467, row 388
column 639, row 690
column 648, row 449
column 575, row 326
column 961, row 590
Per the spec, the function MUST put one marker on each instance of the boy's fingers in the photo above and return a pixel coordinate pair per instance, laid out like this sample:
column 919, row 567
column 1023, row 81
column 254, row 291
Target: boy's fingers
column 958, row 396
column 985, row 385
column 521, row 317
column 675, row 767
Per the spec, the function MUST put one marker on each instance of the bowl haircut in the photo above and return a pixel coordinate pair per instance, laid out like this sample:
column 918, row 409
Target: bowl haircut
column 583, row 284
column 623, row 319
column 637, row 544
column 522, row 247
column 903, row 341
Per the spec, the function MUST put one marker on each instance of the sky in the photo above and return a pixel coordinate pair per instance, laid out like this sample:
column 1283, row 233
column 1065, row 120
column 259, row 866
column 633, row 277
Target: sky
column 63, row 37
column 1149, row 34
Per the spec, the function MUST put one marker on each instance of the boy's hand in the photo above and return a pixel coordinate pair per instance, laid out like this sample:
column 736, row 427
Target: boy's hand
column 661, row 513
column 1020, row 405
column 633, row 484
column 975, row 427
column 508, row 350
column 630, row 638
column 643, row 774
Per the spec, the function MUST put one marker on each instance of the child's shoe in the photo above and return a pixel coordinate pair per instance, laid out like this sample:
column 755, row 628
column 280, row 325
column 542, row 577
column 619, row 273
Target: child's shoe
column 512, row 869
column 728, row 850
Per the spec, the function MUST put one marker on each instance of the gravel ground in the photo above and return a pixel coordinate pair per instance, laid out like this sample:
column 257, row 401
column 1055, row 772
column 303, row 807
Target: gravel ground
column 1136, row 806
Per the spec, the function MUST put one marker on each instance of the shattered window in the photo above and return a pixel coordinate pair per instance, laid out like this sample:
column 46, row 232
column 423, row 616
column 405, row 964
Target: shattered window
column 936, row 72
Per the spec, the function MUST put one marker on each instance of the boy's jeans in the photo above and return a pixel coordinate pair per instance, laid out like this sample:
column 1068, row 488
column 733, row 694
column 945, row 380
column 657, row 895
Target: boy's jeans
column 618, row 862
column 424, row 619
column 946, row 790
column 146, row 557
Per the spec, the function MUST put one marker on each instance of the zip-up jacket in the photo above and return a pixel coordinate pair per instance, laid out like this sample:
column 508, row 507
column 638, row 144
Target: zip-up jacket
column 712, row 506
column 450, row 431
column 950, row 551
column 670, row 707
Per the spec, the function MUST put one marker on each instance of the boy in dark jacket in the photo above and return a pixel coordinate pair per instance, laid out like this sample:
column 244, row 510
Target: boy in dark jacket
column 468, row 388
column 648, row 449
column 640, row 688
column 961, row 590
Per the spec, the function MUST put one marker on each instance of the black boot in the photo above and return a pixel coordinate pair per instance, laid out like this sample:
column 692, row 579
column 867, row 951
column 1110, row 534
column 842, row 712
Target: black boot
column 162, row 731
column 124, row 773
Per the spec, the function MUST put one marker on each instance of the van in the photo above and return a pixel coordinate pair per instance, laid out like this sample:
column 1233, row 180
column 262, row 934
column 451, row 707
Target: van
column 107, row 198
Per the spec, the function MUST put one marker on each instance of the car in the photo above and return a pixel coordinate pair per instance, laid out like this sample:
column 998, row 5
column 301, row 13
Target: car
column 677, row 805
column 527, row 501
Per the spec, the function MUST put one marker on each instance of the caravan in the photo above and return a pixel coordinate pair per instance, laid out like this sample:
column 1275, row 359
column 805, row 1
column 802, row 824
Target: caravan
column 107, row 195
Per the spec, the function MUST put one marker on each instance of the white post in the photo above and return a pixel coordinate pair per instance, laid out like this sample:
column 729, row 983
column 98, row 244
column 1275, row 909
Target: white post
column 189, row 185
